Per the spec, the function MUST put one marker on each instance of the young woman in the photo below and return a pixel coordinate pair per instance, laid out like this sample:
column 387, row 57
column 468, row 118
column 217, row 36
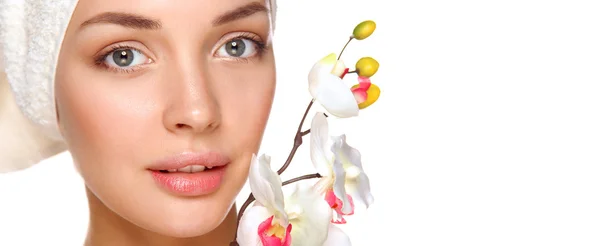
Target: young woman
column 160, row 103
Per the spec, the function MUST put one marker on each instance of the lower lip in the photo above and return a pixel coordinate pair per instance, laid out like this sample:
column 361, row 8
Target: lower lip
column 191, row 184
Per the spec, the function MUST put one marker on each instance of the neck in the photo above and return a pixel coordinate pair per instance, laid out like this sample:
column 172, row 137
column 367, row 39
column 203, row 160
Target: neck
column 108, row 228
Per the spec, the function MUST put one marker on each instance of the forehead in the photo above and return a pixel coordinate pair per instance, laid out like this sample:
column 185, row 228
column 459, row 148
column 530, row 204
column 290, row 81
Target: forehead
column 169, row 12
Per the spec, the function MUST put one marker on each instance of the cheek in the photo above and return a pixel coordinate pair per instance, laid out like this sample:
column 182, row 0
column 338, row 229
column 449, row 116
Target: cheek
column 246, row 101
column 101, row 121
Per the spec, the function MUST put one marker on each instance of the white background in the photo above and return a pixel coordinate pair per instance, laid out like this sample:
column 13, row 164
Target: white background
column 487, row 131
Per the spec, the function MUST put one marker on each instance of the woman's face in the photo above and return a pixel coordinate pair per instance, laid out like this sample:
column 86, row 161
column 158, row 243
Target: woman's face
column 151, row 94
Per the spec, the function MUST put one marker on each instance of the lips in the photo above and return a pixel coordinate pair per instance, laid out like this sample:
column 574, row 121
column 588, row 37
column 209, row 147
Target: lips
column 190, row 173
column 188, row 169
column 187, row 159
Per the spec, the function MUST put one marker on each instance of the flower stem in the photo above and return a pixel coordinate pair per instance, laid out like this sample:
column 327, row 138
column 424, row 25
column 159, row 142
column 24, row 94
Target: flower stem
column 340, row 56
column 297, row 140
column 303, row 177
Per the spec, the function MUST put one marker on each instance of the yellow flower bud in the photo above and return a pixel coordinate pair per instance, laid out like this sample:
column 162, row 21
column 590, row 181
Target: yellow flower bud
column 367, row 67
column 364, row 30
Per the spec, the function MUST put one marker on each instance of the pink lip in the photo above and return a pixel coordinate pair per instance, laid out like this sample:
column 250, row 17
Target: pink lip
column 191, row 184
column 208, row 159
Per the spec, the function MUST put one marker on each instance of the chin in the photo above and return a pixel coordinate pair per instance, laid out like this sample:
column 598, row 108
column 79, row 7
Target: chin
column 195, row 222
column 182, row 217
column 150, row 208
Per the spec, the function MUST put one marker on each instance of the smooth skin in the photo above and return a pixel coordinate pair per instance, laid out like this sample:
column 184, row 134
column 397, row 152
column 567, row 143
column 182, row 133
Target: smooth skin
column 153, row 78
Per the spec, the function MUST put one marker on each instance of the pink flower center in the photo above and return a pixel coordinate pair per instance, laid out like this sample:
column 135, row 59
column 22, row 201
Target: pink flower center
column 364, row 82
column 274, row 234
column 336, row 204
column 360, row 92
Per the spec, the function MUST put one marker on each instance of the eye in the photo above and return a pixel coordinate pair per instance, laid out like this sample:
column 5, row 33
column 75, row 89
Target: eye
column 125, row 58
column 238, row 48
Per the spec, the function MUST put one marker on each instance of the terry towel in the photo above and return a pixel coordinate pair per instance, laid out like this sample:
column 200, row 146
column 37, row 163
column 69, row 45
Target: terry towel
column 31, row 34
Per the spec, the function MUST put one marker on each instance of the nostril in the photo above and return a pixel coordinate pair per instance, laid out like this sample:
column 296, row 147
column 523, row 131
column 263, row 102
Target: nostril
column 181, row 125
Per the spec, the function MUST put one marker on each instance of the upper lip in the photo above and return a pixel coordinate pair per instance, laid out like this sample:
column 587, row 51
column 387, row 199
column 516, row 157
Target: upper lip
column 184, row 159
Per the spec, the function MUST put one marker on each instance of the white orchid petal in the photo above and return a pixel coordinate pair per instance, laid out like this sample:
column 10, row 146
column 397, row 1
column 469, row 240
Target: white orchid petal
column 326, row 86
column 265, row 185
column 339, row 185
column 247, row 234
column 335, row 96
column 362, row 191
column 337, row 237
column 322, row 67
column 311, row 226
column 324, row 184
column 357, row 184
column 319, row 134
column 352, row 156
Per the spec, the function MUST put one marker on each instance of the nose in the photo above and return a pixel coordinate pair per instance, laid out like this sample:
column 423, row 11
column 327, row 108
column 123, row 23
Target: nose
column 193, row 108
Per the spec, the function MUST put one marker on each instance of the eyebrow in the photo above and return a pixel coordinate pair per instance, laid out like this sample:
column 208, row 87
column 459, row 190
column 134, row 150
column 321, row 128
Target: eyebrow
column 240, row 13
column 141, row 22
column 124, row 19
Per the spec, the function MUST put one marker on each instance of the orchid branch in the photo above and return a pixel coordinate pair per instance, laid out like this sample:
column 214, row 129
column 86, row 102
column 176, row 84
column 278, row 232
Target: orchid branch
column 297, row 140
column 303, row 177
column 350, row 39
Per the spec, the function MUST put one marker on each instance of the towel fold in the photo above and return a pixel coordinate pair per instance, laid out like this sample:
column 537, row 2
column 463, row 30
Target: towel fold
column 31, row 34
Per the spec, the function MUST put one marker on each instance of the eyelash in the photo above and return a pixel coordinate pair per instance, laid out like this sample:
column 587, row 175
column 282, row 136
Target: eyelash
column 260, row 46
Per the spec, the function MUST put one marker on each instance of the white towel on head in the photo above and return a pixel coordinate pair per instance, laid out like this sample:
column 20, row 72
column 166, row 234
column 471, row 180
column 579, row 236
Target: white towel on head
column 31, row 34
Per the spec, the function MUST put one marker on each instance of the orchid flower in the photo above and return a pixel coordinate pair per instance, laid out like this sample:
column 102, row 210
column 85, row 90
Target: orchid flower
column 327, row 87
column 301, row 219
column 310, row 217
column 266, row 223
column 343, row 178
